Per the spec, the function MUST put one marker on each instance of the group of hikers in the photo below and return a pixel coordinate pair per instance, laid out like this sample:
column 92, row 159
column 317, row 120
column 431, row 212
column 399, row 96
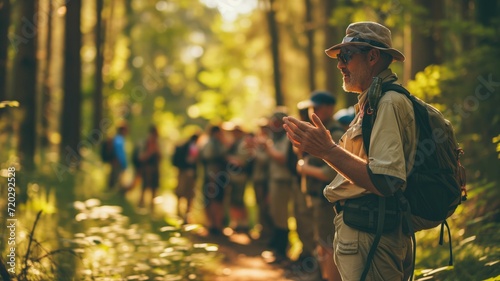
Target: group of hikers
column 233, row 159
column 229, row 159
column 320, row 162
column 146, row 158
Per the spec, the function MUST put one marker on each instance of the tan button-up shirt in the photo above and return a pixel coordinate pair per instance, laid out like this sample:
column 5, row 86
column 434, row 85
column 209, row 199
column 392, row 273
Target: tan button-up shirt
column 392, row 143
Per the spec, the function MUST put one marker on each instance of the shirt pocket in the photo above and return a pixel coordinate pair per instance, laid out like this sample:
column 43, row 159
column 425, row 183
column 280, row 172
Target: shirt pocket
column 355, row 131
column 354, row 140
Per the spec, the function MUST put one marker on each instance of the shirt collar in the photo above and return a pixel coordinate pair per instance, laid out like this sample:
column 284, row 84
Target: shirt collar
column 386, row 75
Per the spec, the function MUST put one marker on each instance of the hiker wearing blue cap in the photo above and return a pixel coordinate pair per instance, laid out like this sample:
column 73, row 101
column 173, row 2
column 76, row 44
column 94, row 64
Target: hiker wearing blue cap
column 345, row 116
column 366, row 175
column 315, row 175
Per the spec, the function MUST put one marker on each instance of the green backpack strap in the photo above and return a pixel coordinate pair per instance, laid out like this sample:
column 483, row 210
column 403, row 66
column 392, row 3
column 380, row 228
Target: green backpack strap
column 378, row 235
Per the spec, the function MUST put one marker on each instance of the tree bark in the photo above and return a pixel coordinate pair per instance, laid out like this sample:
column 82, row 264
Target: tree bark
column 467, row 39
column 310, row 45
column 99, row 60
column 424, row 43
column 47, row 83
column 334, row 35
column 70, row 125
column 485, row 11
column 274, row 35
column 4, row 44
column 24, row 85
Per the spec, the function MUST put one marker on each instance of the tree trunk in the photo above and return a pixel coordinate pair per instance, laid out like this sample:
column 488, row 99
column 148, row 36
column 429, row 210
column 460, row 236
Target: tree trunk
column 70, row 125
column 24, row 83
column 47, row 83
column 4, row 44
column 485, row 11
column 424, row 43
column 274, row 34
column 99, row 60
column 334, row 35
column 310, row 45
column 467, row 16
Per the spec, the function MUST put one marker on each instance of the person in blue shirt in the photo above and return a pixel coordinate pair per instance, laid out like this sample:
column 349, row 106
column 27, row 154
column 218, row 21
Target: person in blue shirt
column 119, row 162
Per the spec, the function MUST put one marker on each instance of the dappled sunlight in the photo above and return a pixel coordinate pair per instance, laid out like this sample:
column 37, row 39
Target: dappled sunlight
column 240, row 238
column 230, row 10
column 70, row 74
column 111, row 246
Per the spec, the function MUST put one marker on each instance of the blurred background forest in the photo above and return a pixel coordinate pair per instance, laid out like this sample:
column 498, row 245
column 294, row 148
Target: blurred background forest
column 72, row 70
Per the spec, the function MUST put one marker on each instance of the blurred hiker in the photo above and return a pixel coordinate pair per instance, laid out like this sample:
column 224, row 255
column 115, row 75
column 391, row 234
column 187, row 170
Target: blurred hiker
column 345, row 117
column 150, row 159
column 137, row 164
column 260, row 179
column 282, row 184
column 238, row 158
column 315, row 175
column 185, row 158
column 118, row 159
column 216, row 178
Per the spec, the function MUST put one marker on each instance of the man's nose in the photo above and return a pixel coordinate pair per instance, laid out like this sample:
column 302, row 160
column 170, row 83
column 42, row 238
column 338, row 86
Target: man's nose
column 340, row 64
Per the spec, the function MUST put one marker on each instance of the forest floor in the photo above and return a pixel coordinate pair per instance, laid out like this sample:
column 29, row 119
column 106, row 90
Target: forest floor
column 242, row 260
column 241, row 256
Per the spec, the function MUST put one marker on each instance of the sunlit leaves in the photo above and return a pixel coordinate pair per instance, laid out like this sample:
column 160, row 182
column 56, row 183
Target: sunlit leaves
column 212, row 79
column 426, row 83
column 6, row 103
column 497, row 141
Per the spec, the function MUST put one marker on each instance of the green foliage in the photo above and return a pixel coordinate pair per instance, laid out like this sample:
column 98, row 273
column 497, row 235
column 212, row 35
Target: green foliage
column 36, row 243
column 426, row 84
column 476, row 245
column 12, row 103
column 496, row 140
column 465, row 90
column 111, row 247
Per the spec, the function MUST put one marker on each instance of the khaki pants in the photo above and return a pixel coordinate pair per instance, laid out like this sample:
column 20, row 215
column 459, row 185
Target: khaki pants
column 279, row 196
column 305, row 220
column 392, row 260
column 186, row 182
column 323, row 217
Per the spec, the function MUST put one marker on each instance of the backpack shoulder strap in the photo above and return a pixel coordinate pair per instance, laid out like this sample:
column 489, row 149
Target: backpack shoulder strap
column 370, row 114
column 395, row 87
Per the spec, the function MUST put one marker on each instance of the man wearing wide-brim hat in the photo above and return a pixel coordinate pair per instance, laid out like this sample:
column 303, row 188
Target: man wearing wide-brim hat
column 365, row 52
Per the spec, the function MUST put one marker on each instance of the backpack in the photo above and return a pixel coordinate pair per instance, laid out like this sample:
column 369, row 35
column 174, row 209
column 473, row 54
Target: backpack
column 136, row 155
column 436, row 183
column 107, row 150
column 179, row 156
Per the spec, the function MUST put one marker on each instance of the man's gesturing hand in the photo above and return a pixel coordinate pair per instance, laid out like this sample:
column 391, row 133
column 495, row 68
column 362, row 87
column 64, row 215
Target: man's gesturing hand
column 314, row 138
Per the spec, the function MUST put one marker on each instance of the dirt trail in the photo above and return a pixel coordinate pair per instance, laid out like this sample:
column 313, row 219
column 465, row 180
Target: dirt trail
column 242, row 256
column 242, row 260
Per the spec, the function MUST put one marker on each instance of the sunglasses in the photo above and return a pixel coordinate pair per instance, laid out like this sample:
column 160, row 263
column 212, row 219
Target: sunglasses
column 345, row 54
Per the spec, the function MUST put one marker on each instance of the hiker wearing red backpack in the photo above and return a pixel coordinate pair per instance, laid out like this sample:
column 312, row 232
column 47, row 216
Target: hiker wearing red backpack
column 364, row 53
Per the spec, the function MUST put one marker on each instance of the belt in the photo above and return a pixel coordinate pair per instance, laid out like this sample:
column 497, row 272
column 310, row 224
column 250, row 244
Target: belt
column 337, row 208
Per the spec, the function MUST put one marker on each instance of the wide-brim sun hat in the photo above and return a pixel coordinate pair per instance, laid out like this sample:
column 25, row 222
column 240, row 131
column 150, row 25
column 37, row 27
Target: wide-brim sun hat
column 367, row 33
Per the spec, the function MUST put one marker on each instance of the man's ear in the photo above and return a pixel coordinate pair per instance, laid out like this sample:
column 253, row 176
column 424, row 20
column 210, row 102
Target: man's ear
column 373, row 56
